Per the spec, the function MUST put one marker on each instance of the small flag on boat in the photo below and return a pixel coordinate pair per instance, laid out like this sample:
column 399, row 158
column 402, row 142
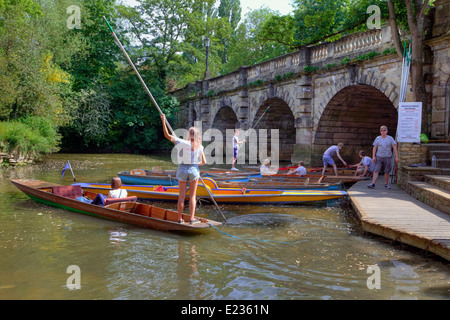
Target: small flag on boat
column 67, row 166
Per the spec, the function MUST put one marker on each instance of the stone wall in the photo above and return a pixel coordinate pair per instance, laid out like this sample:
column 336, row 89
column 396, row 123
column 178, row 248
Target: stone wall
column 440, row 83
column 14, row 159
column 412, row 153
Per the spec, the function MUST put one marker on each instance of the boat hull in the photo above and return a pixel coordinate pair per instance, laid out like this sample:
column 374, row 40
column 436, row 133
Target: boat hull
column 224, row 195
column 169, row 178
column 39, row 191
column 165, row 180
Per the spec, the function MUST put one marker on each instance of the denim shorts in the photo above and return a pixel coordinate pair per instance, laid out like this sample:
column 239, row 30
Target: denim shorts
column 188, row 172
column 327, row 160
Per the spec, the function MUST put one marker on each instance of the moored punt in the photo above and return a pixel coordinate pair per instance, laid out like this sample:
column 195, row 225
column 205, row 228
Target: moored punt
column 223, row 195
column 306, row 185
column 310, row 170
column 313, row 178
column 128, row 211
column 168, row 177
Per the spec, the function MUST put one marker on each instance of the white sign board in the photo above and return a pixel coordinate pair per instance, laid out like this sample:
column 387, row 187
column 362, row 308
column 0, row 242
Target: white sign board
column 409, row 121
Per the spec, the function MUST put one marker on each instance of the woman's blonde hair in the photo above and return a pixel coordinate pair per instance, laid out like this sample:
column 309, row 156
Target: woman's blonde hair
column 194, row 137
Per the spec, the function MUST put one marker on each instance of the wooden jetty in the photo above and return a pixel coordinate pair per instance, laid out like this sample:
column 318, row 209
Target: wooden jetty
column 396, row 215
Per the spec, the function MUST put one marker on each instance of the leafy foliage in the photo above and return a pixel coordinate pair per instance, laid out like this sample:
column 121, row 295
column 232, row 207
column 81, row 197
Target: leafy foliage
column 77, row 82
column 29, row 136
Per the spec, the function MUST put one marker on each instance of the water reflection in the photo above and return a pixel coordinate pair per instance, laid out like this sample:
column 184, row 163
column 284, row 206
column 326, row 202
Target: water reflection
column 262, row 252
column 117, row 236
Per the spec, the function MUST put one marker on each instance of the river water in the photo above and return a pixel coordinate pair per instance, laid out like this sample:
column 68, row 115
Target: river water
column 262, row 252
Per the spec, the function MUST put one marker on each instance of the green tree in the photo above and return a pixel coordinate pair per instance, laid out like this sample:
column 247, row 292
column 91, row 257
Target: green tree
column 136, row 124
column 35, row 49
column 230, row 12
column 315, row 21
column 415, row 17
column 97, row 60
column 170, row 37
column 279, row 29
column 159, row 27
column 250, row 44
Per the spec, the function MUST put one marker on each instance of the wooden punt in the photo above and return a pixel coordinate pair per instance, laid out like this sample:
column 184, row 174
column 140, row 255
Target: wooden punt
column 168, row 177
column 306, row 185
column 313, row 178
column 223, row 195
column 132, row 212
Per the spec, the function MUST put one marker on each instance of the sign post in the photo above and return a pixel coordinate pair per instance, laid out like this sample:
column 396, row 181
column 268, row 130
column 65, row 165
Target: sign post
column 409, row 121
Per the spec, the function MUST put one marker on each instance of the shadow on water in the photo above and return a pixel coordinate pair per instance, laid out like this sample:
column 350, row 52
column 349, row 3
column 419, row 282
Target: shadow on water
column 271, row 220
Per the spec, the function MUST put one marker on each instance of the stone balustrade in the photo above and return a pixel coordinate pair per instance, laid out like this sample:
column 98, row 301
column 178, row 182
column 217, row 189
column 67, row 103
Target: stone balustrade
column 329, row 52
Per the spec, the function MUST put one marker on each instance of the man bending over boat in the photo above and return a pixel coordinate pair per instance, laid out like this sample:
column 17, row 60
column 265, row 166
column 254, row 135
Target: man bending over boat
column 328, row 158
column 189, row 152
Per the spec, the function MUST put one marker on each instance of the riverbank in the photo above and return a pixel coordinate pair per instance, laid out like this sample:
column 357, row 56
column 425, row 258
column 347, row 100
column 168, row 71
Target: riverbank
column 396, row 215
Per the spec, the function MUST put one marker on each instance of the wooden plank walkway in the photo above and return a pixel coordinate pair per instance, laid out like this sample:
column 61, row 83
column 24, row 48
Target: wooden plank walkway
column 398, row 216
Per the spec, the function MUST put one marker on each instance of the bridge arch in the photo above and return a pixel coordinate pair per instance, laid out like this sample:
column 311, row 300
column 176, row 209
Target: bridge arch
column 278, row 116
column 225, row 118
column 353, row 116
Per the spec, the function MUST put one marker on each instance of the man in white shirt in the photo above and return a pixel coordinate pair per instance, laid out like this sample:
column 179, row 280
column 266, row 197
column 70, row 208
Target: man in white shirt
column 236, row 146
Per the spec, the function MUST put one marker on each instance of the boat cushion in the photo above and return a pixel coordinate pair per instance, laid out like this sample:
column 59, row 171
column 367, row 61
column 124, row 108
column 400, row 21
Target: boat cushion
column 114, row 200
column 72, row 192
column 138, row 172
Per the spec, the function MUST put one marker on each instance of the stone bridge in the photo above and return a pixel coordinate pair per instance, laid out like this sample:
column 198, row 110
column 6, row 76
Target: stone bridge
column 322, row 95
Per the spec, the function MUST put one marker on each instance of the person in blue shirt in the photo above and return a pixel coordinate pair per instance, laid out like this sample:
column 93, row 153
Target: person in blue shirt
column 364, row 168
column 328, row 157
column 300, row 170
